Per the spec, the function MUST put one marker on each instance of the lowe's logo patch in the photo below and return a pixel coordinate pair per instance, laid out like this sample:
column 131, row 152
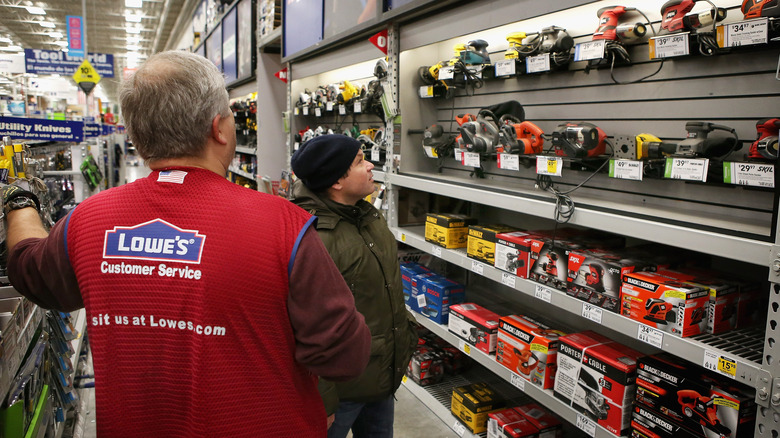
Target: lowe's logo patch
column 154, row 240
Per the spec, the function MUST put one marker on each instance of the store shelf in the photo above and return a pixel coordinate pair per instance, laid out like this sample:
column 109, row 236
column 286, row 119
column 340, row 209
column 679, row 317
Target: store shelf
column 379, row 176
column 8, row 292
column 246, row 150
column 744, row 346
column 438, row 399
column 604, row 217
column 242, row 173
column 272, row 38
column 542, row 396
column 79, row 324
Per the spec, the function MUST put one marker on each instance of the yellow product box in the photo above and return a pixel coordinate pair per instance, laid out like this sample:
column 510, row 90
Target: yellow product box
column 448, row 230
column 471, row 404
column 482, row 241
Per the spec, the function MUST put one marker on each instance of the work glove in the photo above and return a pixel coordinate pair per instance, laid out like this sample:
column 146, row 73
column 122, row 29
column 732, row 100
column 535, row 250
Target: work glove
column 20, row 187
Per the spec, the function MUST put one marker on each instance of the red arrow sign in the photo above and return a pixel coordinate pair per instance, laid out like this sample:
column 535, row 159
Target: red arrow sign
column 380, row 41
column 282, row 74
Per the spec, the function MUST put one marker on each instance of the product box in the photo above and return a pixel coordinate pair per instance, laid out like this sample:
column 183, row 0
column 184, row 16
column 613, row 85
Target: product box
column 702, row 402
column 548, row 424
column 597, row 376
column 645, row 423
column 448, row 230
column 455, row 361
column 721, row 309
column 512, row 252
column 438, row 294
column 482, row 241
column 548, row 264
column 417, row 282
column 414, row 255
column 595, row 276
column 665, row 303
column 528, row 348
column 471, row 404
column 407, row 270
column 508, row 423
column 474, row 324
column 426, row 366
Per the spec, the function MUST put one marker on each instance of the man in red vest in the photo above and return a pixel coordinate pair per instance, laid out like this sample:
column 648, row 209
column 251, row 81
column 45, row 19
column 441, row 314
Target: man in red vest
column 211, row 308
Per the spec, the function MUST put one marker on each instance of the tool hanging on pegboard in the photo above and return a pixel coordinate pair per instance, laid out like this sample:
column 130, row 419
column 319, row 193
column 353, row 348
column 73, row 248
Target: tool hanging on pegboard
column 677, row 18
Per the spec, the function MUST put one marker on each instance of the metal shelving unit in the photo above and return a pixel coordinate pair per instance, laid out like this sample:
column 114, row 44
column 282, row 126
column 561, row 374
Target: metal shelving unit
column 246, row 150
column 242, row 173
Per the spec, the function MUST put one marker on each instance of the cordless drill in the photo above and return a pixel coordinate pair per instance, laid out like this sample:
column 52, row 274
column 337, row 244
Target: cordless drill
column 766, row 147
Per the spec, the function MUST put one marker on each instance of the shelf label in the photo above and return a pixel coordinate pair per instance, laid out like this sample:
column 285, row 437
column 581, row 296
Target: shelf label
column 517, row 381
column 586, row 425
column 592, row 312
column 544, row 293
column 508, row 279
column 430, row 152
column 548, row 165
column 305, row 110
column 589, row 50
column 436, row 250
column 470, row 159
column 401, row 236
column 459, row 428
column 509, row 161
column 669, row 46
column 403, row 378
column 477, row 267
column 650, row 336
column 744, row 33
column 720, row 364
column 329, row 106
column 446, row 73
column 421, row 301
column 296, row 111
column 358, row 107
column 426, row 91
column 464, row 347
column 749, row 174
column 458, row 155
column 343, row 110
column 626, row 169
column 318, row 112
column 506, row 67
column 690, row 169
column 296, row 146
column 375, row 153
column 537, row 64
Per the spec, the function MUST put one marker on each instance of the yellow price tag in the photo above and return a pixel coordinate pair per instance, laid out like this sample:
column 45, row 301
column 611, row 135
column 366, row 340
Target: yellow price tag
column 552, row 166
column 467, row 349
column 727, row 366
column 403, row 379
column 403, row 237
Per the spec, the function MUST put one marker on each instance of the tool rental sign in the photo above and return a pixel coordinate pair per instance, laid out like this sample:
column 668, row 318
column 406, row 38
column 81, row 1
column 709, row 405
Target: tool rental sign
column 50, row 62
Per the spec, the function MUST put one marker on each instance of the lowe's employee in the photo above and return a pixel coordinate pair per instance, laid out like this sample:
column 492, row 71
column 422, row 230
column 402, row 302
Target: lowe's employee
column 334, row 177
column 211, row 308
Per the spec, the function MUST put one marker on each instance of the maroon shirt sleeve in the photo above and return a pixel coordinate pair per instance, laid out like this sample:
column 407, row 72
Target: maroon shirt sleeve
column 40, row 270
column 332, row 339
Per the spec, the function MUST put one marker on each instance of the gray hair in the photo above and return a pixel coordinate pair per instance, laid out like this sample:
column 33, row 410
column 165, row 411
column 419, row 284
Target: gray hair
column 169, row 103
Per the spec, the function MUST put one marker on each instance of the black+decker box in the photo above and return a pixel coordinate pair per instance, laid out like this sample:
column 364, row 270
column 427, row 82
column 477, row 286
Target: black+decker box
column 512, row 252
column 597, row 376
column 595, row 276
column 646, row 423
column 528, row 348
column 474, row 324
column 723, row 303
column 482, row 241
column 448, row 230
column 471, row 404
column 426, row 366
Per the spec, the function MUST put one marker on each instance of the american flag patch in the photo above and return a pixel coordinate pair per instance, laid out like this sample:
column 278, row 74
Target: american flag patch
column 172, row 176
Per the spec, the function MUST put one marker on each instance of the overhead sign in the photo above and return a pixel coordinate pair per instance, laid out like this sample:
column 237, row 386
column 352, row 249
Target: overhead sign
column 92, row 130
column 20, row 128
column 75, row 32
column 380, row 41
column 282, row 74
column 86, row 77
column 54, row 62
column 11, row 63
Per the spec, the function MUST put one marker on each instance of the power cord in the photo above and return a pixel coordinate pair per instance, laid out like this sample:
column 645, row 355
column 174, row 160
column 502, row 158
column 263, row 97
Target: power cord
column 708, row 43
column 625, row 53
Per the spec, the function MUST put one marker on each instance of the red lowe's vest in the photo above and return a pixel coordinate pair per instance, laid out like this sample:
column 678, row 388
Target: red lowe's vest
column 184, row 277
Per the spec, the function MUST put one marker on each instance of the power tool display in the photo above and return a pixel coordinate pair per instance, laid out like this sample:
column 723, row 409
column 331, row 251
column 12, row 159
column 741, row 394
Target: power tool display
column 616, row 35
column 579, row 140
column 677, row 17
column 765, row 147
column 552, row 39
column 760, row 8
column 518, row 137
column 478, row 134
column 468, row 65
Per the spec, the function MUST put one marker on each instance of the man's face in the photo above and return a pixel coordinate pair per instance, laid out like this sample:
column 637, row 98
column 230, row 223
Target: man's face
column 359, row 181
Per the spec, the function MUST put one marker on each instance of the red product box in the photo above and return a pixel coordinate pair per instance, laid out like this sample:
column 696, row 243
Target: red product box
column 548, row 424
column 528, row 348
column 597, row 376
column 474, row 324
column 512, row 251
column 426, row 366
column 646, row 423
column 595, row 276
column 723, row 304
column 665, row 303
column 509, row 423
column 548, row 264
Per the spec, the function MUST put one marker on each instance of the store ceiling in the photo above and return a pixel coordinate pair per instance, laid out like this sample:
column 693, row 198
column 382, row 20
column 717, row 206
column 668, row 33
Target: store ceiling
column 107, row 24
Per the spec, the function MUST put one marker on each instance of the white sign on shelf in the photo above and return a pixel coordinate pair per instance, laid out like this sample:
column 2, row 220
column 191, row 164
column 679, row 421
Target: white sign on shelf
column 749, row 174
column 591, row 312
column 464, row 346
column 508, row 279
column 318, row 112
column 669, row 46
column 436, row 250
column 650, row 335
column 477, row 267
column 509, row 161
column 537, row 64
column 358, row 107
column 446, row 72
column 471, row 159
column 459, row 428
column 505, row 67
column 517, row 381
column 586, row 425
column 426, row 91
column 430, row 152
column 375, row 153
column 544, row 293
column 589, row 50
column 626, row 169
column 548, row 165
column 744, row 33
column 689, row 169
column 458, row 155
column 343, row 110
column 329, row 106
column 305, row 110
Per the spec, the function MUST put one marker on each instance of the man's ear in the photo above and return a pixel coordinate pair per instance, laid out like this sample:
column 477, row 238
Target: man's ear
column 216, row 130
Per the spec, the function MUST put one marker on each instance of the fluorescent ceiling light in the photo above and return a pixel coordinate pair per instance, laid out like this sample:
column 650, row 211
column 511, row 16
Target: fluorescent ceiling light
column 130, row 40
column 133, row 18
column 64, row 49
column 48, row 24
column 134, row 30
column 56, row 35
column 11, row 49
column 134, row 3
column 61, row 43
column 5, row 40
column 35, row 10
column 133, row 48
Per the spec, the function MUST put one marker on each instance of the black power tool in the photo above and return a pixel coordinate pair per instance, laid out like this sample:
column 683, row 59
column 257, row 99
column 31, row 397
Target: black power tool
column 579, row 140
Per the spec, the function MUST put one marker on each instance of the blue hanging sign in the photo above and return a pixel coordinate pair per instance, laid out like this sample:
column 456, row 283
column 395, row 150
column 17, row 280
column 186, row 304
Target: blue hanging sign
column 75, row 32
column 50, row 62
column 20, row 128
column 92, row 130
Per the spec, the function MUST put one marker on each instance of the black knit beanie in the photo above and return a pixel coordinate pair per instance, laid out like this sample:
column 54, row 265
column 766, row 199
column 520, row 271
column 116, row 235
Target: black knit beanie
column 321, row 161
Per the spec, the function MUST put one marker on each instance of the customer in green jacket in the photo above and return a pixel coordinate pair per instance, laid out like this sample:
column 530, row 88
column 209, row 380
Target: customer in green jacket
column 333, row 180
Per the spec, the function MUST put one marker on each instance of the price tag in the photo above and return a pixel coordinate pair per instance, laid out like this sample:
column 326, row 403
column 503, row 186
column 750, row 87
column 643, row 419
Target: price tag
column 296, row 146
column 458, row 155
column 296, row 111
column 430, row 152
column 436, row 250
column 650, row 336
column 446, row 73
column 744, row 33
column 508, row 161
column 506, row 67
column 401, row 236
column 464, row 346
column 305, row 110
column 403, row 378
column 421, row 301
column 592, row 312
column 690, row 169
column 586, row 425
column 720, row 364
column 318, row 112
column 358, row 107
column 517, row 381
column 543, row 293
column 329, row 106
column 459, row 428
column 548, row 165
column 477, row 267
column 749, row 174
column 426, row 91
column 375, row 153
column 470, row 159
column 669, row 46
column 342, row 110
column 626, row 169
column 508, row 279
column 589, row 50
column 537, row 64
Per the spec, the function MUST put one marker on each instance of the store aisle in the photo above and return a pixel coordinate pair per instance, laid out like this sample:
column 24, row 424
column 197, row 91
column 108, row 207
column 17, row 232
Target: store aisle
column 132, row 172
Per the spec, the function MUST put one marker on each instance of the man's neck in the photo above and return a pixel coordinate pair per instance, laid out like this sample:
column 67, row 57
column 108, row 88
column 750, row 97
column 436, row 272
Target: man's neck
column 209, row 163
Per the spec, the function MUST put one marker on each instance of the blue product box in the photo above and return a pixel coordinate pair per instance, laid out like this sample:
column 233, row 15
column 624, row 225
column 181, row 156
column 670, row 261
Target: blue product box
column 440, row 293
column 407, row 270
column 417, row 281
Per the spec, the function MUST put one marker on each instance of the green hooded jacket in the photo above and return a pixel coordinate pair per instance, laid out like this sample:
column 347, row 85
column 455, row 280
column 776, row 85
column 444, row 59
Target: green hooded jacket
column 366, row 253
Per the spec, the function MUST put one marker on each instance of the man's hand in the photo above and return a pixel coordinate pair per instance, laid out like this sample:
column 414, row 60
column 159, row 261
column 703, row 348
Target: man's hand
column 20, row 188
column 331, row 419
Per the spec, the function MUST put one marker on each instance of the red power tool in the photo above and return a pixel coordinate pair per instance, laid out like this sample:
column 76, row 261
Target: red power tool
column 609, row 28
column 761, row 8
column 524, row 138
column 526, row 361
column 659, row 311
column 676, row 16
column 765, row 147
column 702, row 410
column 595, row 277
